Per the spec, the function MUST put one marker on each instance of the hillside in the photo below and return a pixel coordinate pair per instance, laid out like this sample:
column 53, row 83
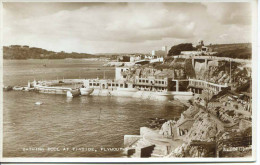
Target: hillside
column 236, row 50
column 26, row 52
column 241, row 50
column 225, row 47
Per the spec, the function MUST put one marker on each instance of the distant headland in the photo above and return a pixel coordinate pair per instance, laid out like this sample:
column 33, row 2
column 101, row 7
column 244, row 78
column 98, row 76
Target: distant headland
column 235, row 50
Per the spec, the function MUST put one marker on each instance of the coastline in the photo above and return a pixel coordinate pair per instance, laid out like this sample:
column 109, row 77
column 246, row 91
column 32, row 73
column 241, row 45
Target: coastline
column 174, row 137
column 197, row 133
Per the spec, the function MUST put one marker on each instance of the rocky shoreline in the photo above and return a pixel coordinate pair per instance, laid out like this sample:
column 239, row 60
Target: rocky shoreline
column 199, row 132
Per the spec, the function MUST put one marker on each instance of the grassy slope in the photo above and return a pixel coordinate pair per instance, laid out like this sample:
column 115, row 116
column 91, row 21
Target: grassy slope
column 242, row 51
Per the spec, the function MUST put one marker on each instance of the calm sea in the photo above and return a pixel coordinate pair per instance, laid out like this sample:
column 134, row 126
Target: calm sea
column 62, row 127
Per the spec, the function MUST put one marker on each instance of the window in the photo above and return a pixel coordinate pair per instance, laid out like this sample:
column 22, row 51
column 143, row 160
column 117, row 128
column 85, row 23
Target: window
column 97, row 84
column 140, row 80
column 124, row 76
column 146, row 81
column 90, row 84
column 121, row 85
column 126, row 85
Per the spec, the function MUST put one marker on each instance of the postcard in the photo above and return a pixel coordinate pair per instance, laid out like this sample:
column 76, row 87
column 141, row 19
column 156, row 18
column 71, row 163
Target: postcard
column 122, row 81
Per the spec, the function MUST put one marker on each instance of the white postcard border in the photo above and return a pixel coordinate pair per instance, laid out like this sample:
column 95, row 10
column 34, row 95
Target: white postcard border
column 255, row 97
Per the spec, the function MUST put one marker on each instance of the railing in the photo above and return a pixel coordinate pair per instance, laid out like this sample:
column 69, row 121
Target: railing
column 214, row 58
column 151, row 84
column 205, row 83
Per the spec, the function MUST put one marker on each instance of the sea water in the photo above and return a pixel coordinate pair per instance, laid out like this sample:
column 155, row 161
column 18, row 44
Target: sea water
column 86, row 126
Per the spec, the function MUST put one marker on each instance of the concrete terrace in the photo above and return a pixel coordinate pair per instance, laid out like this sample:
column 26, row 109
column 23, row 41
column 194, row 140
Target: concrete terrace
column 214, row 58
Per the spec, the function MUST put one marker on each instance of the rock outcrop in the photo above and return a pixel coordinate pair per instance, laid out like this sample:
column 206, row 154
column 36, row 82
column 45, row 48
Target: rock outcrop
column 205, row 128
column 167, row 129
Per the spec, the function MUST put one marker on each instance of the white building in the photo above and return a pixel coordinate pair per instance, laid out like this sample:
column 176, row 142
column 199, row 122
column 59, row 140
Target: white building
column 160, row 53
column 119, row 71
column 160, row 59
column 135, row 58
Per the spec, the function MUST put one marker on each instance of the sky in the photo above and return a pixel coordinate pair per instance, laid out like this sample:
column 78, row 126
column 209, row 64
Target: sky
column 123, row 27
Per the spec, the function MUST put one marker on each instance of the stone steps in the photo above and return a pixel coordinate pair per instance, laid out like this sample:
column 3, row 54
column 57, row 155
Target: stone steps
column 139, row 145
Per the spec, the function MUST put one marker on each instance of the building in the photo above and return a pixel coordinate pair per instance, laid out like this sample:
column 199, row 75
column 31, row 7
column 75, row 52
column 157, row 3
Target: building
column 201, row 50
column 119, row 72
column 106, row 84
column 152, row 84
column 135, row 58
column 123, row 59
column 160, row 53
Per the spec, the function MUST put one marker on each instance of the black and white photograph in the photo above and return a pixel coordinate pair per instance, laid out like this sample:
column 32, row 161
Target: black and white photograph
column 149, row 80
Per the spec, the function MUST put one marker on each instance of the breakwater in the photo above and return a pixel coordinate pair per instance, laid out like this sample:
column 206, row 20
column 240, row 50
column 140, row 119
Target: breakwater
column 150, row 95
column 64, row 85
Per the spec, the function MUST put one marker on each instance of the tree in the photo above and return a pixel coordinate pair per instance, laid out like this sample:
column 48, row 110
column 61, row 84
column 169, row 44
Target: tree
column 176, row 49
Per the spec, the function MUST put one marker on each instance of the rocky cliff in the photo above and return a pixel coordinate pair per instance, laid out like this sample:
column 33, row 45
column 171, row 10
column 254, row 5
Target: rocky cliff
column 204, row 129
column 219, row 73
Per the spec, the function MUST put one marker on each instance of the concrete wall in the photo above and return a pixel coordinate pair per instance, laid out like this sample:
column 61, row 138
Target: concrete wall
column 119, row 71
column 131, row 139
column 157, row 60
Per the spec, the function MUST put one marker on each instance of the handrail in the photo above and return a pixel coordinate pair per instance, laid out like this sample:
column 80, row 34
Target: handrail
column 206, row 82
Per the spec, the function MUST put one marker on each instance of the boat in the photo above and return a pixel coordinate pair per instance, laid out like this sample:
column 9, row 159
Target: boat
column 27, row 89
column 38, row 103
column 73, row 93
column 18, row 88
column 86, row 91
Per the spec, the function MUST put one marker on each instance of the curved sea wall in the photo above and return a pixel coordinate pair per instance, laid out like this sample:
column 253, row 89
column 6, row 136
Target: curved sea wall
column 62, row 86
column 159, row 96
column 152, row 96
column 118, row 64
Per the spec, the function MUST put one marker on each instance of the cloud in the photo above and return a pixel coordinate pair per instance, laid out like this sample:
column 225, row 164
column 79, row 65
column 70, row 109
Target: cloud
column 230, row 13
column 124, row 27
